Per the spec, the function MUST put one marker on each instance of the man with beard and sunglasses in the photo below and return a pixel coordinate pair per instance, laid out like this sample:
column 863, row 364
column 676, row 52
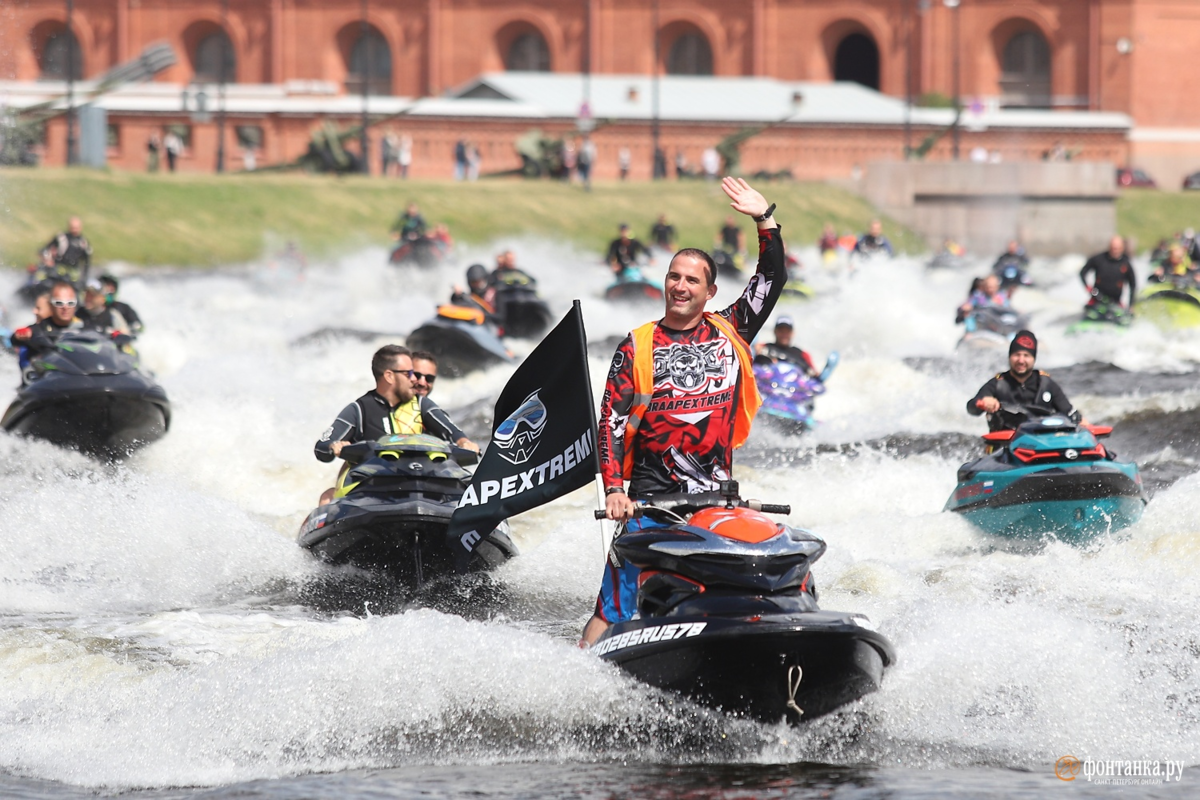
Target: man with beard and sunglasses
column 681, row 395
column 425, row 372
column 392, row 407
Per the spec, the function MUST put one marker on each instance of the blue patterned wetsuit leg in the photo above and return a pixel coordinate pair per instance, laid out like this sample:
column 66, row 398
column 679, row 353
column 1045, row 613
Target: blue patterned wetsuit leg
column 617, row 601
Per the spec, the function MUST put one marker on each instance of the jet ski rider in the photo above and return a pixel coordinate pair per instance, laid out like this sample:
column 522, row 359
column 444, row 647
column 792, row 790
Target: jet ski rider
column 623, row 251
column 478, row 295
column 1021, row 386
column 1111, row 273
column 68, row 255
column 782, row 348
column 392, row 407
column 41, row 336
column 425, row 372
column 695, row 408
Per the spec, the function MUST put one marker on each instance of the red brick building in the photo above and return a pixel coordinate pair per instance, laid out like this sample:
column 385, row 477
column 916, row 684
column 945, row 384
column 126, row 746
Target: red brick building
column 312, row 56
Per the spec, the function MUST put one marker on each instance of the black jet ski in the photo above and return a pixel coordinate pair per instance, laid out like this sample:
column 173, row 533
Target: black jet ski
column 391, row 509
column 89, row 395
column 729, row 265
column 462, row 340
column 419, row 251
column 521, row 312
column 991, row 327
column 729, row 616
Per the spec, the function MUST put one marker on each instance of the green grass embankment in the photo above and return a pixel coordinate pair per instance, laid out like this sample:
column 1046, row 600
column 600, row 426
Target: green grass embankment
column 201, row 220
column 1148, row 215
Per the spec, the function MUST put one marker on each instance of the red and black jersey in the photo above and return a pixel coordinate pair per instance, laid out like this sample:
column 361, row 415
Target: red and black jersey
column 684, row 442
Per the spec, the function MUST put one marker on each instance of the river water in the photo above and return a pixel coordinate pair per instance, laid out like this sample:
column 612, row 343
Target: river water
column 161, row 635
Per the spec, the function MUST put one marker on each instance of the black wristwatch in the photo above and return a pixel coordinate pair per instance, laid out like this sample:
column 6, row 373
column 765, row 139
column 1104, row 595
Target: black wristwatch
column 766, row 215
column 613, row 490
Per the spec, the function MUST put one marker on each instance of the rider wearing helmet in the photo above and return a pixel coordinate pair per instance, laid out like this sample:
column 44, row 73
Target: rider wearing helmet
column 478, row 294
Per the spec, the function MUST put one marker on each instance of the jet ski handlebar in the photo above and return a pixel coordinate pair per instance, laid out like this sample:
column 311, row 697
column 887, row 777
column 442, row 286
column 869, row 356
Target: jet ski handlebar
column 727, row 496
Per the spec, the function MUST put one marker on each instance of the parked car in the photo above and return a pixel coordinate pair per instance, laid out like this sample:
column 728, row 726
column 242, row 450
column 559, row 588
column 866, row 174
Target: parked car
column 1129, row 176
column 1192, row 181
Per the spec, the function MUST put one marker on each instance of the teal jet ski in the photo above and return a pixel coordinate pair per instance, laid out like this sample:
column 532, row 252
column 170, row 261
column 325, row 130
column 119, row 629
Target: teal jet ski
column 1049, row 477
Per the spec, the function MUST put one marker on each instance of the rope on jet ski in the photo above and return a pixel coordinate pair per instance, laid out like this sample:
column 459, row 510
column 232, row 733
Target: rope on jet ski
column 794, row 676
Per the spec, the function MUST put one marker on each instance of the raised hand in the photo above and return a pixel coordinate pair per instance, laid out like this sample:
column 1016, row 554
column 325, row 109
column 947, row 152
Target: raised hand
column 745, row 199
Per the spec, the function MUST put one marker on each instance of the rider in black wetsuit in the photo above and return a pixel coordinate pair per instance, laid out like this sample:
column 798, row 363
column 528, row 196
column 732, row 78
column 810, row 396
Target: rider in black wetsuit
column 873, row 241
column 1022, row 386
column 663, row 234
column 782, row 348
column 731, row 239
column 110, row 286
column 410, row 224
column 1111, row 274
column 623, row 251
column 43, row 335
column 392, row 407
column 68, row 255
column 477, row 293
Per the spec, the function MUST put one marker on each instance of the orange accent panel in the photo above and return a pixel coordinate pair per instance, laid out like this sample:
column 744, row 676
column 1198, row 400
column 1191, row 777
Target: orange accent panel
column 740, row 524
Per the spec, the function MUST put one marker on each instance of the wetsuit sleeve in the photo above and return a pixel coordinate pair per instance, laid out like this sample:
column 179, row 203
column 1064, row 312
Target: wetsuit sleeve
column 750, row 311
column 438, row 422
column 131, row 316
column 887, row 245
column 1131, row 281
column 39, row 341
column 1088, row 269
column 615, row 406
column 612, row 252
column 1058, row 399
column 346, row 428
column 987, row 390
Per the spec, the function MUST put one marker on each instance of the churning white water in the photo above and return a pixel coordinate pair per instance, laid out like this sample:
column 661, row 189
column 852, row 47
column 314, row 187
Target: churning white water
column 158, row 626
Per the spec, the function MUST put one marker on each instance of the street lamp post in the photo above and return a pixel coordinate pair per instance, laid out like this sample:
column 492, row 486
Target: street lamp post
column 955, row 39
column 70, row 39
column 655, row 167
column 363, row 142
column 222, row 77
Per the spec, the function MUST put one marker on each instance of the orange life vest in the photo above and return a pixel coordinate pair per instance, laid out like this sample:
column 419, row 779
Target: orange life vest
column 747, row 402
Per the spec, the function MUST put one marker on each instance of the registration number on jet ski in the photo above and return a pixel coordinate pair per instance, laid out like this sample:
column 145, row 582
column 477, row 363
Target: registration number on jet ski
column 657, row 633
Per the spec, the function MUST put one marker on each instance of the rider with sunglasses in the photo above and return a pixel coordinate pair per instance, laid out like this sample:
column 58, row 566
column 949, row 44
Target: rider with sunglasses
column 41, row 336
column 392, row 407
column 425, row 371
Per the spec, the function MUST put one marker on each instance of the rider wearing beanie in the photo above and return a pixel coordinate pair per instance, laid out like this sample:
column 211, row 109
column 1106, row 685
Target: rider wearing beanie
column 1014, row 396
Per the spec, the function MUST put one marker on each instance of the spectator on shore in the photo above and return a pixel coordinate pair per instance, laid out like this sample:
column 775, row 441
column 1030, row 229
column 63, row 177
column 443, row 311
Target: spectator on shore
column 153, row 145
column 710, row 159
column 624, row 159
column 174, row 146
column 460, row 160
column 587, row 157
column 404, row 155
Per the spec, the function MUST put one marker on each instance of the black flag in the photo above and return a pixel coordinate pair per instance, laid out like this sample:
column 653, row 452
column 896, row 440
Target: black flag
column 543, row 438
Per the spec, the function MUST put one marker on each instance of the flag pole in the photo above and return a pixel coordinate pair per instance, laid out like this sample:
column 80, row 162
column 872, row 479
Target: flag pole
column 604, row 527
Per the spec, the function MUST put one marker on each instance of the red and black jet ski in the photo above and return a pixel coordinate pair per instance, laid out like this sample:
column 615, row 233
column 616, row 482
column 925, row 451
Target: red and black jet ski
column 729, row 617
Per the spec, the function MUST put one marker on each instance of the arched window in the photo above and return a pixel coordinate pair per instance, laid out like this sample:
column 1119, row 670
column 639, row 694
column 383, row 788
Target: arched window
column 60, row 52
column 371, row 58
column 528, row 53
column 211, row 51
column 690, row 55
column 1025, row 71
column 857, row 60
